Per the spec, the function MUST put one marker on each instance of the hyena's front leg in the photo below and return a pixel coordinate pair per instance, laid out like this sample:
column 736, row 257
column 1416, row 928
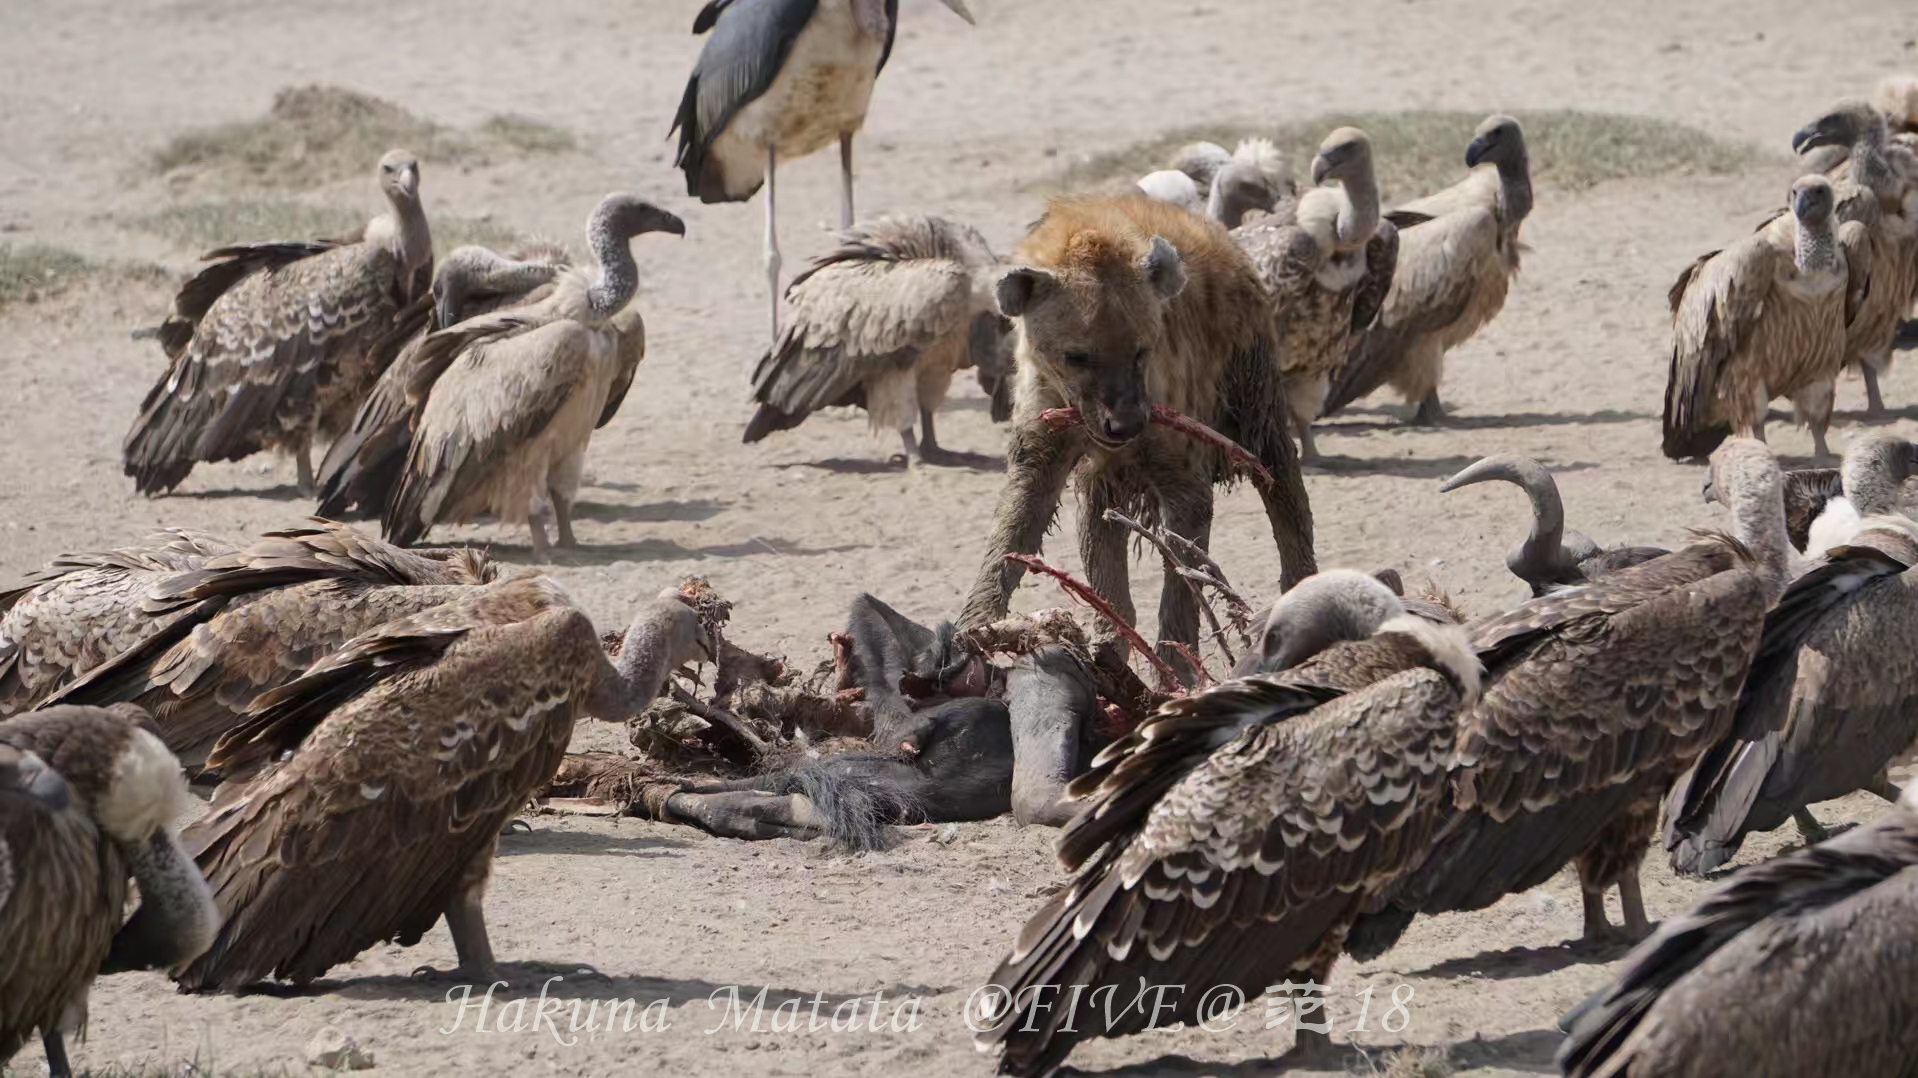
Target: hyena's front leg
column 1102, row 546
column 1037, row 466
column 1187, row 512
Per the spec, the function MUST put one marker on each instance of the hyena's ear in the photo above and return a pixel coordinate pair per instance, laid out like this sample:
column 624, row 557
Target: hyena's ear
column 1162, row 266
column 1021, row 288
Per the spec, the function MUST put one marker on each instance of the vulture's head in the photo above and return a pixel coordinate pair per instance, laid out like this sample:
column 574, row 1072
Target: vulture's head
column 688, row 641
column 24, row 772
column 1201, row 161
column 1537, row 561
column 1091, row 304
column 1743, row 469
column 472, row 272
column 1812, row 200
column 1498, row 140
column 1876, row 465
column 1846, row 123
column 626, row 216
column 1321, row 610
column 400, row 177
column 1345, row 155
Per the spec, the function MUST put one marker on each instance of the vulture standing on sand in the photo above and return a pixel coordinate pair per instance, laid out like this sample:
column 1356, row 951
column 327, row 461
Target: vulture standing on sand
column 1550, row 556
column 1800, row 966
column 281, row 341
column 390, row 768
column 1458, row 253
column 220, row 635
column 363, row 464
column 515, row 396
column 883, row 321
column 1232, row 838
column 780, row 79
column 1764, row 318
column 83, row 609
column 1596, row 699
column 88, row 798
column 1833, row 695
column 1207, row 180
column 1870, row 190
column 1328, row 259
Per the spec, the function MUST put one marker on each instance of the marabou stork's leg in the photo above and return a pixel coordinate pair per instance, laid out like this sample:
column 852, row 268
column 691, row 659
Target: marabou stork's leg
column 772, row 236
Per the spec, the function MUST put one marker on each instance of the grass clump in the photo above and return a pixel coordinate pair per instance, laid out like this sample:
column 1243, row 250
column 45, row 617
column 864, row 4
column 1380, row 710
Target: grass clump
column 314, row 135
column 33, row 270
column 1420, row 151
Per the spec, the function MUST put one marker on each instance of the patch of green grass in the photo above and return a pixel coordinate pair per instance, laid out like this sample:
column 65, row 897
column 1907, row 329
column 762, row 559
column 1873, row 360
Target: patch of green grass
column 1420, row 151
column 203, row 226
column 33, row 270
column 1415, row 1062
column 314, row 135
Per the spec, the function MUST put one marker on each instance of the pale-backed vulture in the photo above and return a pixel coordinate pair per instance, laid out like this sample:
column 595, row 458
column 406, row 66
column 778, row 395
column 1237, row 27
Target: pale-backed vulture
column 1232, row 838
column 1550, row 556
column 1764, row 318
column 1458, row 253
column 83, row 609
column 515, row 396
column 1226, row 187
column 1800, row 966
column 1870, row 191
column 1597, row 698
column 280, row 358
column 363, row 464
column 1328, row 259
column 390, row 768
column 882, row 321
column 88, row 798
column 238, row 625
column 1833, row 695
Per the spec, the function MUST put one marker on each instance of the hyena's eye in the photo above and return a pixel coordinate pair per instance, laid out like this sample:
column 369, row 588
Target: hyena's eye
column 1078, row 359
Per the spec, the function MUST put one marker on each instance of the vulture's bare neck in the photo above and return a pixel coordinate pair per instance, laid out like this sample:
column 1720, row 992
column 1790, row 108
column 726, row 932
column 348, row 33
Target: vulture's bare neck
column 1514, row 188
column 1359, row 215
column 618, row 274
column 1817, row 247
column 1758, row 521
column 1871, row 166
column 1867, row 486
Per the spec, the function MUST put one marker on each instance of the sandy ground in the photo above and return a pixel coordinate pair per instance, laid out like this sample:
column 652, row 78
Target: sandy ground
column 966, row 122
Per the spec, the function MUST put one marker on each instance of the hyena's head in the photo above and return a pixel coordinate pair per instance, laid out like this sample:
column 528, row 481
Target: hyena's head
column 1090, row 322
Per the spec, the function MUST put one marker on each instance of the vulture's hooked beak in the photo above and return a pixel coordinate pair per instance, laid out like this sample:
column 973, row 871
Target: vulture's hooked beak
column 1476, row 150
column 960, row 9
column 1320, row 169
column 410, row 181
column 658, row 220
column 1710, row 491
column 1824, row 132
column 30, row 774
column 1486, row 470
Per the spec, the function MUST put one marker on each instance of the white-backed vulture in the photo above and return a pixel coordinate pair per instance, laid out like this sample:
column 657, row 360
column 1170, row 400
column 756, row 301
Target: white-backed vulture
column 390, row 768
column 1766, row 317
column 363, row 464
column 280, row 356
column 236, row 626
column 882, row 321
column 1597, row 698
column 83, row 609
column 1328, row 259
column 88, row 798
column 1232, row 838
column 1458, row 253
column 1550, row 556
column 1871, row 191
column 1833, row 694
column 1226, row 187
column 512, row 398
column 1800, row 966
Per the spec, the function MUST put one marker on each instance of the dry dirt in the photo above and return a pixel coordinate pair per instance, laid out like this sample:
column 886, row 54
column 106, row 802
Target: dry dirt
column 967, row 122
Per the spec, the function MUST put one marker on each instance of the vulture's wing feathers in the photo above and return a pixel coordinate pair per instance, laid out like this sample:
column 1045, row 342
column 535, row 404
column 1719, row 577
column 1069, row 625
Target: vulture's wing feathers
column 1243, row 870
column 376, row 821
column 362, row 463
column 1806, row 492
column 1719, row 301
column 226, row 267
column 253, row 359
column 631, row 331
column 1432, row 286
column 871, row 305
column 1381, row 267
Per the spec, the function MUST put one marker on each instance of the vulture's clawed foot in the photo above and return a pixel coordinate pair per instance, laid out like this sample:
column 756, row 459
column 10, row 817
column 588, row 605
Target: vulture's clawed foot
column 1809, row 827
column 1430, row 412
